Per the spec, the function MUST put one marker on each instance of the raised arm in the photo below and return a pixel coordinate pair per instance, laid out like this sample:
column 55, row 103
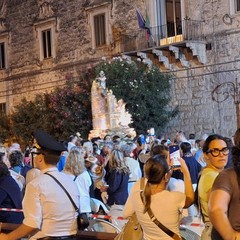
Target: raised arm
column 187, row 184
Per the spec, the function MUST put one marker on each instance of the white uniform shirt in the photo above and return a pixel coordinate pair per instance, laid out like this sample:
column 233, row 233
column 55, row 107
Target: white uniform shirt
column 47, row 207
column 31, row 174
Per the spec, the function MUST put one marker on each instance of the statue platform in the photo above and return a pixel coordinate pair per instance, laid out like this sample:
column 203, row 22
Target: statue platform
column 109, row 115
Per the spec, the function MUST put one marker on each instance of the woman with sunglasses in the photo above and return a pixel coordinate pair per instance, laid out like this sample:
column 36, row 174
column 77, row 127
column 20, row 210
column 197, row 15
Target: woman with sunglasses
column 215, row 152
column 224, row 205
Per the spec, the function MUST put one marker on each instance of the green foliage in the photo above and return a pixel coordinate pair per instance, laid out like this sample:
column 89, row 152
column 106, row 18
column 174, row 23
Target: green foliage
column 61, row 113
column 4, row 128
column 67, row 110
column 146, row 92
column 29, row 116
column 70, row 109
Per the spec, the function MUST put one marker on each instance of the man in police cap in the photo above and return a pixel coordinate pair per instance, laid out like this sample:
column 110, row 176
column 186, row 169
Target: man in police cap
column 48, row 212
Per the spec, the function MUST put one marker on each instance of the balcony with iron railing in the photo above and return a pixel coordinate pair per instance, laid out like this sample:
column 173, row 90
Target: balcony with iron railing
column 170, row 34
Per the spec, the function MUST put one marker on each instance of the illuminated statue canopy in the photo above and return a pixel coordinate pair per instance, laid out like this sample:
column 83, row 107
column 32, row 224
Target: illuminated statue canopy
column 109, row 115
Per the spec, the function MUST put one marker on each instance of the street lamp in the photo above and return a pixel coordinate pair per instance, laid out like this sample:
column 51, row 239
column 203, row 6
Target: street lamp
column 223, row 91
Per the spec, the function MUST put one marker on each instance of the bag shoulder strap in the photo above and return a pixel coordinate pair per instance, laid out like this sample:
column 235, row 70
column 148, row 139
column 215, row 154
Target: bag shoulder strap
column 154, row 219
column 75, row 178
column 161, row 226
column 70, row 198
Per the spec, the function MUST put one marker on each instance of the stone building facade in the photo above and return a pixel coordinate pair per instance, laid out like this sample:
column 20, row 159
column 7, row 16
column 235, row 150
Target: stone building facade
column 43, row 41
column 208, row 93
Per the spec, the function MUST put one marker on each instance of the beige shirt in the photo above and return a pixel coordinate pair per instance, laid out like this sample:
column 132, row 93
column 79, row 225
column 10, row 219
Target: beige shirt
column 166, row 206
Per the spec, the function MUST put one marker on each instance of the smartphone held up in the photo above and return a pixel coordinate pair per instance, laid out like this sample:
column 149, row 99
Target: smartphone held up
column 174, row 151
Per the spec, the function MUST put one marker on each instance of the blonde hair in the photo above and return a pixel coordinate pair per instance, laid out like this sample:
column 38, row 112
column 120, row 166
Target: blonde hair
column 116, row 161
column 75, row 163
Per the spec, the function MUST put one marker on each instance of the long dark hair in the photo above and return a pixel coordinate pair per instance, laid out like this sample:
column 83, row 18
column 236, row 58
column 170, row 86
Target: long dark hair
column 3, row 170
column 236, row 161
column 155, row 169
column 210, row 139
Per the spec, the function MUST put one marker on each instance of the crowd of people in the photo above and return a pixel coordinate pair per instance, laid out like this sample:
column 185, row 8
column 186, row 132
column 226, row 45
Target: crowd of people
column 206, row 184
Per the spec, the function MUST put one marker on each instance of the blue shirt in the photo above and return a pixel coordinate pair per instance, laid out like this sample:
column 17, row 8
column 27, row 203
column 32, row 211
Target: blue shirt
column 194, row 168
column 118, row 188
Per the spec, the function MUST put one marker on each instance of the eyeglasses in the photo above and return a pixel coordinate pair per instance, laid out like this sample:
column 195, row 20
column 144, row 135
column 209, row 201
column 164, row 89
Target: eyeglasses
column 216, row 152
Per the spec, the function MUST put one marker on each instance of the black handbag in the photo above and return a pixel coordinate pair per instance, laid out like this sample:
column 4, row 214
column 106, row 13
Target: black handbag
column 82, row 218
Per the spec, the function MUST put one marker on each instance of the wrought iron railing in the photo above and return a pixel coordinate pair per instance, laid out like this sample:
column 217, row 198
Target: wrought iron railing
column 163, row 35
